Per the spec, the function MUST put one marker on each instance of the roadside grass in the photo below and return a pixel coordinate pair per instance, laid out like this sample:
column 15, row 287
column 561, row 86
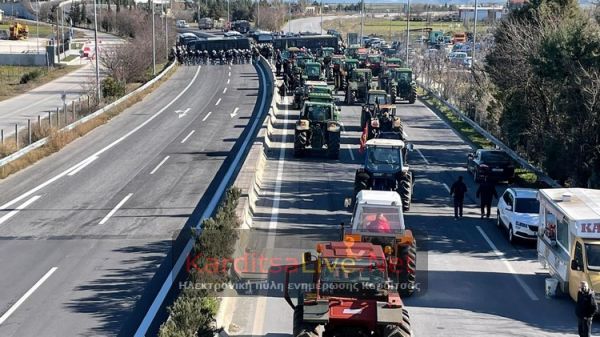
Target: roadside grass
column 194, row 310
column 12, row 78
column 70, row 58
column 45, row 30
column 381, row 27
column 58, row 139
column 523, row 177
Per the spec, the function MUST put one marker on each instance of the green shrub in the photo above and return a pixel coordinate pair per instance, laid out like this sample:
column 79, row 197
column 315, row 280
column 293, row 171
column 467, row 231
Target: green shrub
column 30, row 76
column 193, row 312
column 112, row 88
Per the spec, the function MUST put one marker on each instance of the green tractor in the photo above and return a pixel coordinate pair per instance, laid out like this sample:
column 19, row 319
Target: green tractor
column 402, row 85
column 318, row 128
column 319, row 96
column 312, row 71
column 360, row 81
column 301, row 93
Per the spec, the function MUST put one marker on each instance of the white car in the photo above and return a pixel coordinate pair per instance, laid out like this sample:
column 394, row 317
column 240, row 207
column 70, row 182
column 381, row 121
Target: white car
column 182, row 24
column 518, row 212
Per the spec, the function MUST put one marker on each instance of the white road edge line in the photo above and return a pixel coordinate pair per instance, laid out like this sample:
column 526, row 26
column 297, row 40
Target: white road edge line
column 500, row 255
column 166, row 286
column 114, row 210
column 224, row 90
column 82, row 165
column 422, row 156
column 20, row 207
column 159, row 165
column 27, row 294
column 106, row 148
column 188, row 136
column 206, row 117
column 219, row 101
column 261, row 301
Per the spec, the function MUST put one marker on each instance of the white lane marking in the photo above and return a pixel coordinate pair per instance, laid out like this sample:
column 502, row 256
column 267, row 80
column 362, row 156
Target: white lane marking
column 224, row 90
column 114, row 210
column 188, row 136
column 500, row 255
column 219, row 101
column 229, row 67
column 159, row 165
column 23, row 298
column 447, row 188
column 228, row 80
column 20, row 207
column 182, row 113
column 422, row 156
column 166, row 286
column 109, row 146
column 234, row 113
column 82, row 165
column 206, row 117
column 229, row 74
column 348, row 145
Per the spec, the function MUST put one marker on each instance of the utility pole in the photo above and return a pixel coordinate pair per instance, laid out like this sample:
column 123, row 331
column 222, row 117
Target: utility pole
column 474, row 36
column 407, row 29
column 96, row 53
column 362, row 21
column 321, row 17
column 166, row 34
column 37, row 26
column 257, row 13
column 290, row 17
column 153, row 41
column 390, row 17
column 228, row 17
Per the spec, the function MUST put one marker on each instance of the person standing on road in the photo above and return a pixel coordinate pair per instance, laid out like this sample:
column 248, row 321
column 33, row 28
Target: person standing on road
column 458, row 190
column 486, row 192
column 585, row 309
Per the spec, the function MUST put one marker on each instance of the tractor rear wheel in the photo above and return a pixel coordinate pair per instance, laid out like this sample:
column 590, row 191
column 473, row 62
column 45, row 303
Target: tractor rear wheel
column 407, row 275
column 302, row 329
column 401, row 330
column 299, row 144
column 412, row 97
column 333, row 145
column 394, row 93
column 405, row 191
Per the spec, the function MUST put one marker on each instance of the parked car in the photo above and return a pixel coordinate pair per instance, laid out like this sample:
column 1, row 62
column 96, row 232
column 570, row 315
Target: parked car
column 495, row 164
column 518, row 212
column 233, row 33
column 457, row 59
column 468, row 62
column 182, row 24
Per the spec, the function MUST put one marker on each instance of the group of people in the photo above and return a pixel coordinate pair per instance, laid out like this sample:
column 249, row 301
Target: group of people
column 188, row 56
column 486, row 192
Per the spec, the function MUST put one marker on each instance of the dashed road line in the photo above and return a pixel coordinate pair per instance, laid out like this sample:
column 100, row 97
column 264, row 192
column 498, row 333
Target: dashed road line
column 159, row 165
column 114, row 210
column 206, row 117
column 188, row 136
column 219, row 101
column 19, row 208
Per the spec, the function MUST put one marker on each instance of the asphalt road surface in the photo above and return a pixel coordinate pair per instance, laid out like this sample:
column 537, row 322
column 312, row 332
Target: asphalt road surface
column 84, row 230
column 472, row 282
column 48, row 97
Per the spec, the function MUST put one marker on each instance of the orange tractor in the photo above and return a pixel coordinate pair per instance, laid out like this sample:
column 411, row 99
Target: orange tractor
column 349, row 294
column 18, row 31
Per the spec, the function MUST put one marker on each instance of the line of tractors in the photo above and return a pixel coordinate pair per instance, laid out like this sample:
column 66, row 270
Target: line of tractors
column 354, row 287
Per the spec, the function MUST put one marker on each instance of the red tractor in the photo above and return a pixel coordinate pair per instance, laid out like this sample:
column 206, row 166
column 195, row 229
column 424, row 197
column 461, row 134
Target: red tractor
column 349, row 295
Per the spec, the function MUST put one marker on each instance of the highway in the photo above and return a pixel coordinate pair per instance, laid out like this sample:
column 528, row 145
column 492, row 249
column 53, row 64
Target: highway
column 472, row 282
column 84, row 230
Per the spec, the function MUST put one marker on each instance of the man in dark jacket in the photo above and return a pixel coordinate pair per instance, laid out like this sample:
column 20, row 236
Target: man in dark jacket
column 585, row 309
column 486, row 192
column 458, row 190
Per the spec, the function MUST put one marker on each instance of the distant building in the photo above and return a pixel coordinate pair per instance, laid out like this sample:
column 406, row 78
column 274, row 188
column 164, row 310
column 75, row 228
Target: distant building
column 312, row 10
column 1, row 15
column 488, row 13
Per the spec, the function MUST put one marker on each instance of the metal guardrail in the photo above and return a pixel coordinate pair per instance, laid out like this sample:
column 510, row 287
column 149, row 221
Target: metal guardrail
column 43, row 141
column 514, row 155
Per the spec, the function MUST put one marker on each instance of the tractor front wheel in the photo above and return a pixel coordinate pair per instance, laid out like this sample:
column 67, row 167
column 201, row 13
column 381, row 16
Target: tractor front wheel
column 333, row 145
column 407, row 275
column 299, row 144
column 412, row 97
column 401, row 330
column 405, row 191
